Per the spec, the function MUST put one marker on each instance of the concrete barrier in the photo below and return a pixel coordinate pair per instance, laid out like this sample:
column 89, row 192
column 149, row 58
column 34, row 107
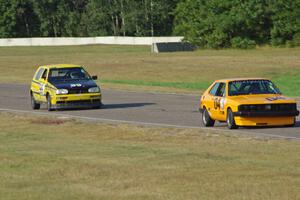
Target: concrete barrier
column 172, row 47
column 62, row 41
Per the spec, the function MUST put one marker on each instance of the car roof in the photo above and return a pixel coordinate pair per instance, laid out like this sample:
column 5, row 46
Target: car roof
column 60, row 66
column 240, row 79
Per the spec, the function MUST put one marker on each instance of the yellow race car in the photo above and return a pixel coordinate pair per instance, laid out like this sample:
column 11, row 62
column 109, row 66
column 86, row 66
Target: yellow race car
column 64, row 86
column 247, row 102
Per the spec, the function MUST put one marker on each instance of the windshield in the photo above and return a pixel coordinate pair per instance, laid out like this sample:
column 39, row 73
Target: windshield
column 246, row 87
column 67, row 74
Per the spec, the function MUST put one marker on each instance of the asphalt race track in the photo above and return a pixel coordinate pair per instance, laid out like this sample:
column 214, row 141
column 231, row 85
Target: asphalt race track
column 139, row 108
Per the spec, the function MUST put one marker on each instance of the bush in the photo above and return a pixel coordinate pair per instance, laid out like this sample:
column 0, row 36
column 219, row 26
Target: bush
column 294, row 42
column 243, row 43
column 290, row 44
column 217, row 39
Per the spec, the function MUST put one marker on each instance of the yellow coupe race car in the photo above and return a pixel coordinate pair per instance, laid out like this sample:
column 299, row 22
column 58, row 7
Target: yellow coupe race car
column 247, row 102
column 64, row 86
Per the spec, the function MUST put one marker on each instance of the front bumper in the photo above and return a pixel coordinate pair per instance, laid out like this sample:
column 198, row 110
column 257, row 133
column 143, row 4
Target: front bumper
column 77, row 101
column 266, row 114
column 265, row 118
column 264, row 121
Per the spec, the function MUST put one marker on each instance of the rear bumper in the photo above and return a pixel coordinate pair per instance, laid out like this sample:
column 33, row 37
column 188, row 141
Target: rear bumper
column 266, row 114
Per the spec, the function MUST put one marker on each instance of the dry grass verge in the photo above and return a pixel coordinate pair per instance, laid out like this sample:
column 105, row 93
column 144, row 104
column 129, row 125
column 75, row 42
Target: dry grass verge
column 49, row 158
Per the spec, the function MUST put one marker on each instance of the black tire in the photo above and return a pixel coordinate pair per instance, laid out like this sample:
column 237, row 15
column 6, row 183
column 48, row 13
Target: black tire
column 34, row 104
column 97, row 107
column 206, row 119
column 49, row 105
column 230, row 120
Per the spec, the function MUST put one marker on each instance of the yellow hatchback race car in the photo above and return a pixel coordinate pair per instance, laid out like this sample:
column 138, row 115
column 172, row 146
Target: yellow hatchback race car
column 64, row 86
column 247, row 102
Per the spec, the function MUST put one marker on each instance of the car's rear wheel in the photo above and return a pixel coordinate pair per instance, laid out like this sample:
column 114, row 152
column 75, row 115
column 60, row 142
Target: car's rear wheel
column 230, row 120
column 206, row 119
column 49, row 104
column 34, row 104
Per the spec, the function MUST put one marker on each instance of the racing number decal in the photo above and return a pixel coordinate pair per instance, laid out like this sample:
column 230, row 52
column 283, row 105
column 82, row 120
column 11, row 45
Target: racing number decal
column 219, row 103
column 76, row 85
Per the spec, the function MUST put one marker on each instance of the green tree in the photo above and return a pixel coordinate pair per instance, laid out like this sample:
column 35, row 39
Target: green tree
column 27, row 22
column 8, row 18
column 53, row 15
column 95, row 19
column 286, row 21
column 215, row 23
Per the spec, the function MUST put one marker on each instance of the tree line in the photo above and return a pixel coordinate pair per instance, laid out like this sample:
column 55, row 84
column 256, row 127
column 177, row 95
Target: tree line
column 65, row 18
column 205, row 23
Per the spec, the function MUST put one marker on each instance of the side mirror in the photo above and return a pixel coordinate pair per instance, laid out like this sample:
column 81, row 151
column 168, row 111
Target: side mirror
column 94, row 77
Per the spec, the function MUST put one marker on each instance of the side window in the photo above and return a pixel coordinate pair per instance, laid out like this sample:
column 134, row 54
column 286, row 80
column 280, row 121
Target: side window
column 39, row 74
column 214, row 89
column 44, row 76
column 221, row 90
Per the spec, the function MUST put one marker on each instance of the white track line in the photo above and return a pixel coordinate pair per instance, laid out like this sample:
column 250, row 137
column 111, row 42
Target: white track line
column 147, row 123
column 156, row 92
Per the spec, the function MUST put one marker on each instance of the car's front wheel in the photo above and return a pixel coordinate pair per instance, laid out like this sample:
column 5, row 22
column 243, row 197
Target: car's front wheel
column 206, row 119
column 98, row 106
column 34, row 104
column 49, row 104
column 230, row 120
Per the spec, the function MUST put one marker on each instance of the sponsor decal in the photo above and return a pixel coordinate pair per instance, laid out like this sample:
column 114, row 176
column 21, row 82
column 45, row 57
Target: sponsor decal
column 275, row 98
column 42, row 88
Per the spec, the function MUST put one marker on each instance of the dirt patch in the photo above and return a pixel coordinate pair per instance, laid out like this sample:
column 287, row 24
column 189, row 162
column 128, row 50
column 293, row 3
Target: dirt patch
column 45, row 121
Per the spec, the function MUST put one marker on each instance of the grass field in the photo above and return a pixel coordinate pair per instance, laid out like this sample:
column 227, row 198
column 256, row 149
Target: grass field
column 48, row 158
column 134, row 67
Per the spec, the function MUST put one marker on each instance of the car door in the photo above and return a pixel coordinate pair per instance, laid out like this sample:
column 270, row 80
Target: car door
column 215, row 101
column 38, row 84
column 43, row 83
column 35, row 84
column 209, row 100
column 219, row 102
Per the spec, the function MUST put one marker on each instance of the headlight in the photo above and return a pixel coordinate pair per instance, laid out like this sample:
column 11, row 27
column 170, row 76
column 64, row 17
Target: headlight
column 62, row 91
column 94, row 90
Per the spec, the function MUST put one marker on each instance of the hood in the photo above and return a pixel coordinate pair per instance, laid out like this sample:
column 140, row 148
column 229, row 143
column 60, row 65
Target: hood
column 262, row 99
column 73, row 84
